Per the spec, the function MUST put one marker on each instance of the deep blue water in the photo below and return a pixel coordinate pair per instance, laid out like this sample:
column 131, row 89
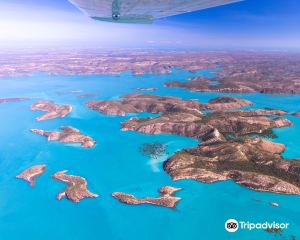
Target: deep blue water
column 116, row 164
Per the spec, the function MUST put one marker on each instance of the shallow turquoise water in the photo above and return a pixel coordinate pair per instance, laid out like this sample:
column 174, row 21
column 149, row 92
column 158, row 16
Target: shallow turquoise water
column 116, row 164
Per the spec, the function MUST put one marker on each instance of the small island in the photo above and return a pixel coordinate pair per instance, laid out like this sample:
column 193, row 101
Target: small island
column 53, row 110
column 166, row 198
column 68, row 135
column 76, row 189
column 32, row 173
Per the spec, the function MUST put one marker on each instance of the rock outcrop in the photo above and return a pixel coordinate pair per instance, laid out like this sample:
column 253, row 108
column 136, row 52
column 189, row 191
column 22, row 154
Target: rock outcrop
column 76, row 189
column 32, row 173
column 166, row 198
column 68, row 135
column 53, row 110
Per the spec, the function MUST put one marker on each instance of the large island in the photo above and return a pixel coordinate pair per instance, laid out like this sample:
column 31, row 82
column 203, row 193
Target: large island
column 231, row 141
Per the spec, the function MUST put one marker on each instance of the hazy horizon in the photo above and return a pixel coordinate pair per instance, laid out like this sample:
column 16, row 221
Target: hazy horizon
column 245, row 25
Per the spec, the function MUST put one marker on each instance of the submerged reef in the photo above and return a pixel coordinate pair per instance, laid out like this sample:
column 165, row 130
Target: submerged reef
column 5, row 100
column 154, row 150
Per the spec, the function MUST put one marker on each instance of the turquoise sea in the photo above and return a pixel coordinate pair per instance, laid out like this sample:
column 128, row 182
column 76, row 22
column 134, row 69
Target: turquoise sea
column 116, row 164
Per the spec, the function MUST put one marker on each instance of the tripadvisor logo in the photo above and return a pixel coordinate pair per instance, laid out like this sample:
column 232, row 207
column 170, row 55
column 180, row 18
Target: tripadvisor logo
column 232, row 225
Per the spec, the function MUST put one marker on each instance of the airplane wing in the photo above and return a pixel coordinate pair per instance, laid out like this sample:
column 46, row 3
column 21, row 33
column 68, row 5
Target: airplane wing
column 142, row 11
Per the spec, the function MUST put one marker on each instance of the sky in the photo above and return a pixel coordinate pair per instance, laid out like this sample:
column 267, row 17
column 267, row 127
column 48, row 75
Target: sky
column 266, row 24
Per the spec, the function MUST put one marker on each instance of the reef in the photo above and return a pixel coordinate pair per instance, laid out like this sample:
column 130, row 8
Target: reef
column 76, row 187
column 68, row 135
column 53, row 110
column 166, row 198
column 30, row 175
column 5, row 100
column 147, row 89
column 86, row 95
column 153, row 150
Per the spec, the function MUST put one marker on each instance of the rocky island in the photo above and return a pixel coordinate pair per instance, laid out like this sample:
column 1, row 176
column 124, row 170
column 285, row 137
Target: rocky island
column 68, row 135
column 32, row 173
column 230, row 145
column 77, row 187
column 166, row 198
column 53, row 110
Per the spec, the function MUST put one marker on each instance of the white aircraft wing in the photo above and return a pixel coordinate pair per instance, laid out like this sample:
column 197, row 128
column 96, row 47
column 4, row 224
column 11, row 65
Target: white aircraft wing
column 142, row 11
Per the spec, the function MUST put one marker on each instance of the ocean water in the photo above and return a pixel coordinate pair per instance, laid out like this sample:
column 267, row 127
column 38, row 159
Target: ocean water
column 116, row 164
